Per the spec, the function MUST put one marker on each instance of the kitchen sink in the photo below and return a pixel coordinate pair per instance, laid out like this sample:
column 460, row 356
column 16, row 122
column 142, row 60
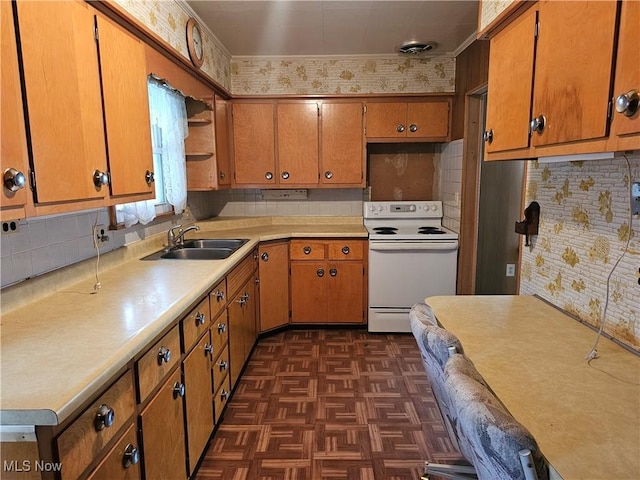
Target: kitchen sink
column 200, row 249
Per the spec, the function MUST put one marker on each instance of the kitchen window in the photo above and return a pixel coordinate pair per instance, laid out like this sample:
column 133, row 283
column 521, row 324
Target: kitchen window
column 168, row 117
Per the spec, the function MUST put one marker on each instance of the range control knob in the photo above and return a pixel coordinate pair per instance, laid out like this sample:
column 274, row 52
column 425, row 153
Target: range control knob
column 427, row 207
column 412, row 208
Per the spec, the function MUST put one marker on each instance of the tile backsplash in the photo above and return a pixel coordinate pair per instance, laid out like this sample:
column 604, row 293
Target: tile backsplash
column 449, row 183
column 584, row 227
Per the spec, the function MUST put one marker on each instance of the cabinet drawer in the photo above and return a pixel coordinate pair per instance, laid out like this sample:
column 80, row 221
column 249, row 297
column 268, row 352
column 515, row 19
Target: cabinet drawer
column 346, row 250
column 241, row 273
column 220, row 398
column 157, row 362
column 119, row 464
column 306, row 250
column 195, row 324
column 83, row 441
column 219, row 333
column 218, row 298
column 220, row 368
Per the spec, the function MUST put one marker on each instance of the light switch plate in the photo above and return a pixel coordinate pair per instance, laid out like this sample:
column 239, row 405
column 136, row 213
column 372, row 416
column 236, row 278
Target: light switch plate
column 635, row 198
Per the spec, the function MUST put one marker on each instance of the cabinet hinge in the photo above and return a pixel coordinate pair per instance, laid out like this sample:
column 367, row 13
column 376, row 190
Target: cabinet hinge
column 364, row 108
column 95, row 32
column 32, row 179
column 610, row 112
column 536, row 29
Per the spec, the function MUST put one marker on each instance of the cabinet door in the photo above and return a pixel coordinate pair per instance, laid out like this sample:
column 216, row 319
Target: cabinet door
column 274, row 285
column 254, row 144
column 13, row 140
column 62, row 87
column 236, row 335
column 198, row 407
column 428, row 120
column 223, row 141
column 162, row 422
column 122, row 462
column 511, row 59
column 387, row 120
column 126, row 111
column 298, row 143
column 628, row 70
column 573, row 76
column 250, row 316
column 345, row 292
column 342, row 144
column 309, row 292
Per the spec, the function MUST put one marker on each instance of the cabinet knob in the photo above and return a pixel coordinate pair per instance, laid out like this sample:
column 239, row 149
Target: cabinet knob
column 400, row 128
column 242, row 300
column 537, row 124
column 627, row 103
column 333, row 272
column 222, row 327
column 149, row 177
column 264, row 256
column 164, row 355
column 105, row 416
column 222, row 175
column 178, row 390
column 306, row 250
column 268, row 175
column 328, row 174
column 224, row 395
column 413, row 128
column 200, row 318
column 320, row 272
column 100, row 178
column 285, row 175
column 208, row 349
column 219, row 296
column 346, row 249
column 487, row 136
column 222, row 365
column 14, row 179
column 131, row 456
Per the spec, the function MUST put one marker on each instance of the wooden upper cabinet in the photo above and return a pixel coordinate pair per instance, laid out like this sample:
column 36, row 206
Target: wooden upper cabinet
column 223, row 141
column 298, row 143
column 511, row 58
column 254, row 143
column 64, row 104
column 126, row 111
column 13, row 140
column 408, row 121
column 625, row 129
column 573, row 70
column 342, row 145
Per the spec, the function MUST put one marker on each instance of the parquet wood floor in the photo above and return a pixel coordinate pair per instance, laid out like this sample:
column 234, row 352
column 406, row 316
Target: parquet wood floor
column 330, row 405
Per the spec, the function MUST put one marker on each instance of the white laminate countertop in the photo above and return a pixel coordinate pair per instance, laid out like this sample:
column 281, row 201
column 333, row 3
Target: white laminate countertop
column 58, row 351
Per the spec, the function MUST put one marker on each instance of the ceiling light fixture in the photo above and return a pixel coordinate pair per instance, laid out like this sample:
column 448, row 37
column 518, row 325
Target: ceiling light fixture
column 415, row 48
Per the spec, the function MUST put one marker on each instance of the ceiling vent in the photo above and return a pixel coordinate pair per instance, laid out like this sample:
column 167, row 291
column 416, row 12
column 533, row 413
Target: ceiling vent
column 416, row 48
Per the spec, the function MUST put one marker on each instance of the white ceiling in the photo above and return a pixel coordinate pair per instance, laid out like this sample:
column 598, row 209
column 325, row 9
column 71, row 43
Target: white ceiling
column 328, row 27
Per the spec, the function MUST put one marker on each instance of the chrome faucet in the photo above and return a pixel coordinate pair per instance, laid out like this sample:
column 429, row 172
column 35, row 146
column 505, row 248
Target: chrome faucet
column 175, row 239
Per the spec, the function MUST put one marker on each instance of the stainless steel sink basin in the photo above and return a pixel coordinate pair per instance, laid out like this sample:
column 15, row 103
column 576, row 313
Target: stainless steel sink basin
column 200, row 249
column 199, row 253
column 233, row 243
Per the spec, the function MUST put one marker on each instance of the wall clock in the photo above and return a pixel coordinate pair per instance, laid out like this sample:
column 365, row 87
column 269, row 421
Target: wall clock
column 195, row 42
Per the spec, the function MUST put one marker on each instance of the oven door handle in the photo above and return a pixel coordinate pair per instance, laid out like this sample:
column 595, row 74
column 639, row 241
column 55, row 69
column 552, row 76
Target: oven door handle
column 403, row 246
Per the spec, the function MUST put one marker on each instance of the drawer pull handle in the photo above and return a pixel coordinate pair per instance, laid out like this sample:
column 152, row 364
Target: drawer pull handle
column 320, row 272
column 178, row 390
column 149, row 177
column 223, row 365
column 200, row 318
column 328, row 174
column 264, row 257
column 104, row 417
column 400, row 128
column 346, row 250
column 222, row 327
column 100, row 178
column 488, row 136
column 268, row 175
column 537, row 124
column 413, row 128
column 306, row 250
column 14, row 179
column 285, row 175
column 224, row 395
column 219, row 295
column 131, row 456
column 333, row 272
column 627, row 103
column 164, row 355
column 208, row 349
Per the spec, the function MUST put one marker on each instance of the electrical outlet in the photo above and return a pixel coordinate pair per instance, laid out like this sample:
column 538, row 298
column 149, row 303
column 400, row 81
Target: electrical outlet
column 511, row 270
column 101, row 234
column 635, row 198
column 10, row 227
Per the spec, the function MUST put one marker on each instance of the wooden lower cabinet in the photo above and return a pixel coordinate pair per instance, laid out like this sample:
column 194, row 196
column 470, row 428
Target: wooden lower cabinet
column 273, row 271
column 122, row 462
column 328, row 281
column 163, row 433
column 196, row 369
column 242, row 327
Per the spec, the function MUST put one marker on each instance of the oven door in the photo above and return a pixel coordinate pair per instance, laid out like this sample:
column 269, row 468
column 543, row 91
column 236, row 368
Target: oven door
column 402, row 273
